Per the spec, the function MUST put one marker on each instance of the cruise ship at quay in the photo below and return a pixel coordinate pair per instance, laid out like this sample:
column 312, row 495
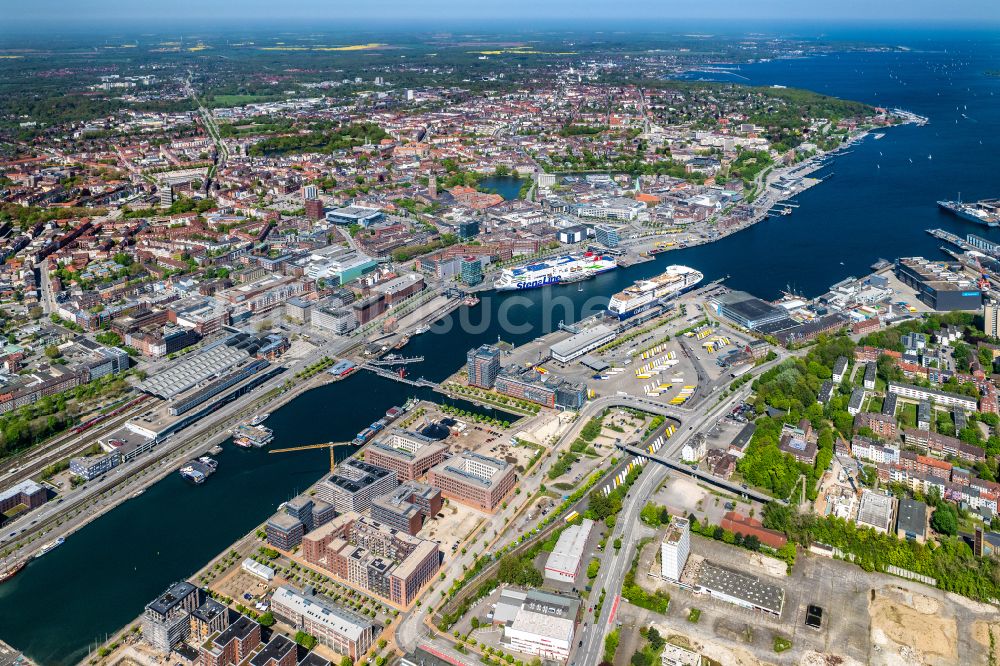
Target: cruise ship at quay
column 645, row 294
column 557, row 270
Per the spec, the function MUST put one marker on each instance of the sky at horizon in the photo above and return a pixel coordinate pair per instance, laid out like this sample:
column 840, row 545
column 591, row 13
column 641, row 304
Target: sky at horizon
column 41, row 12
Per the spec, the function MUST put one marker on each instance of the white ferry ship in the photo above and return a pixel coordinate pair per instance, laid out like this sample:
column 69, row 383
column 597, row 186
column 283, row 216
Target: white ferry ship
column 645, row 294
column 50, row 546
column 558, row 270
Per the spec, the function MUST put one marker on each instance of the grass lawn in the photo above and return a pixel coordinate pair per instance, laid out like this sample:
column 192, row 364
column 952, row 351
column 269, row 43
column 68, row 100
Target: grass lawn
column 908, row 415
column 945, row 424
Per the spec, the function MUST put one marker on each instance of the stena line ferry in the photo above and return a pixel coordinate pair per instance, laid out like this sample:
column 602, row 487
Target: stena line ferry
column 557, row 270
column 645, row 294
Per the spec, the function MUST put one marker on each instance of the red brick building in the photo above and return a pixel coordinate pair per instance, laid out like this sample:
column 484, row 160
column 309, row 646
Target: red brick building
column 882, row 425
column 231, row 646
column 737, row 523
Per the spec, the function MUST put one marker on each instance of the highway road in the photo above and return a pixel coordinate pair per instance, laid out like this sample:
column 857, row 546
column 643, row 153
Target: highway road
column 412, row 630
column 615, row 564
column 75, row 507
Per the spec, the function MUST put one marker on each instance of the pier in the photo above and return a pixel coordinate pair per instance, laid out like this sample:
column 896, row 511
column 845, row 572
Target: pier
column 951, row 238
column 389, row 374
column 392, row 359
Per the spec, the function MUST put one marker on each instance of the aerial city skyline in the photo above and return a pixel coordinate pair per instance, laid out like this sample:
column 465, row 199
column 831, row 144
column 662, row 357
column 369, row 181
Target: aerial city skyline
column 500, row 333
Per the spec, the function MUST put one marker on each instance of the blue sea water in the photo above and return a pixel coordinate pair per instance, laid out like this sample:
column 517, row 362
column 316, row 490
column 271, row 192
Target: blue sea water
column 882, row 196
column 878, row 204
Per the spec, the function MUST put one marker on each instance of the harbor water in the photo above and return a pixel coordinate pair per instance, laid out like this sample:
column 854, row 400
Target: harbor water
column 878, row 203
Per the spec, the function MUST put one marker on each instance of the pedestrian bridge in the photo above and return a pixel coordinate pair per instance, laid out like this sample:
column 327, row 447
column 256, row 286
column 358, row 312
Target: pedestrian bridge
column 677, row 466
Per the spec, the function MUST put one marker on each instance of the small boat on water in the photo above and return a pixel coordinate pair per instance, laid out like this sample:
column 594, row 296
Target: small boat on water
column 403, row 341
column 50, row 546
column 259, row 418
column 11, row 570
column 420, row 330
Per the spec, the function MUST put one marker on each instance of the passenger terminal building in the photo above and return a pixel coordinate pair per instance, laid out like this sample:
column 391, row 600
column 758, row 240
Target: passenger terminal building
column 938, row 285
column 748, row 311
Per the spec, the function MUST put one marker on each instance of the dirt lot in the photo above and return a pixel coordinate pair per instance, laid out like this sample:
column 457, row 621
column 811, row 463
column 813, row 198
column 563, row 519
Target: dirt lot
column 874, row 619
column 911, row 628
column 452, row 529
column 237, row 582
column 981, row 632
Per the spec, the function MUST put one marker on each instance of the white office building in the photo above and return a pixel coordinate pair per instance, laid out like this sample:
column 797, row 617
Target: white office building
column 675, row 549
column 564, row 561
column 537, row 623
column 942, row 398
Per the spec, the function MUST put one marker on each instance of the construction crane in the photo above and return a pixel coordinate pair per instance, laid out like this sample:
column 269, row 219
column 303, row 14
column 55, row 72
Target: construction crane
column 328, row 445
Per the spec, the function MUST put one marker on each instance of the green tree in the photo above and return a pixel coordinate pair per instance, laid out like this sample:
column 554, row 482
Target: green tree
column 944, row 520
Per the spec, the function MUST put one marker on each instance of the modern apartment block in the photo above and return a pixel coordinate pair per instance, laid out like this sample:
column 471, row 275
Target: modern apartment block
column 991, row 318
column 283, row 531
column 207, row 619
column 675, row 549
column 342, row 631
column 483, row 366
column 473, row 479
column 942, row 398
column 408, row 507
column 409, row 454
column 279, row 651
column 231, row 646
column 373, row 557
column 165, row 620
column 309, row 511
column 299, row 516
column 354, row 484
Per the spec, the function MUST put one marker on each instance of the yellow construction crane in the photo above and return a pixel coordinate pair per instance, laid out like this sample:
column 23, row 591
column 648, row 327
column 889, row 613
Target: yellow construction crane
column 328, row 445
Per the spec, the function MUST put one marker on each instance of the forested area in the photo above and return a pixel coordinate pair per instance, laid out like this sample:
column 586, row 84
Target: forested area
column 324, row 141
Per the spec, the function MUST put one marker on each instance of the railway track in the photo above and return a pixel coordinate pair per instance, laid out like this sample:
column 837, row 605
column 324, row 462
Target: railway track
column 34, row 460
